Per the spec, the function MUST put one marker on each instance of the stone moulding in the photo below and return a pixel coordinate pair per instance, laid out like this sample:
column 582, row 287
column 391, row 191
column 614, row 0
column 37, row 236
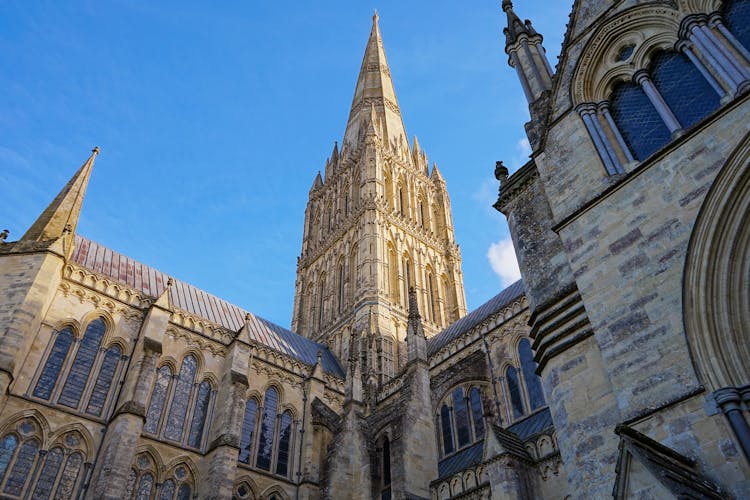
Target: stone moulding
column 192, row 340
column 112, row 289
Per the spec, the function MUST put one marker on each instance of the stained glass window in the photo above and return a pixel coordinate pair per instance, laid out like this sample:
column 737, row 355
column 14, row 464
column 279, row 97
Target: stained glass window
column 69, row 478
column 53, row 365
column 637, row 120
column 145, row 485
column 285, row 436
column 158, row 395
column 445, row 421
column 79, row 373
column 167, row 490
column 130, row 485
column 7, row 448
column 199, row 414
column 461, row 414
column 514, row 388
column 248, row 431
column 21, row 470
column 184, row 492
column 477, row 412
column 533, row 382
column 173, row 428
column 104, row 381
column 52, row 461
column 265, row 440
column 687, row 93
column 737, row 20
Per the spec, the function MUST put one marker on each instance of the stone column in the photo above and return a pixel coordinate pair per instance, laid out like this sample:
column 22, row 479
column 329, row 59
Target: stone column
column 729, row 400
column 717, row 22
column 686, row 48
column 587, row 111
column 603, row 109
column 670, row 120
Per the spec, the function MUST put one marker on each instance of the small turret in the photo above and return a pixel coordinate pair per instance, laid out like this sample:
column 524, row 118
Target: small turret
column 317, row 183
column 416, row 341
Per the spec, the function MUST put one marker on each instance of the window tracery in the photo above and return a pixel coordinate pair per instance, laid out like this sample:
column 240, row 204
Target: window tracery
column 460, row 419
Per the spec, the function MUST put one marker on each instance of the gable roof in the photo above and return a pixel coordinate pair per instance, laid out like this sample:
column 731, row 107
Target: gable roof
column 463, row 325
column 152, row 282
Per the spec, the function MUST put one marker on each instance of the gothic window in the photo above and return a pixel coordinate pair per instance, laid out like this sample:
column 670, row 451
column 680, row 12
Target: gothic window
column 532, row 380
column 432, row 298
column 178, row 485
column 19, row 450
column 514, row 390
column 267, row 430
column 104, row 380
column 342, row 280
column 386, row 472
column 158, row 398
column 687, row 93
column 79, row 372
column 243, row 492
column 7, row 448
column 140, row 483
column 477, row 412
column 52, row 367
column 145, row 487
column 52, row 462
column 248, row 431
column 179, row 408
column 393, row 274
column 167, row 490
column 445, row 424
column 321, row 300
column 637, row 120
column 285, row 437
column 387, row 349
column 352, row 273
column 461, row 415
column 737, row 19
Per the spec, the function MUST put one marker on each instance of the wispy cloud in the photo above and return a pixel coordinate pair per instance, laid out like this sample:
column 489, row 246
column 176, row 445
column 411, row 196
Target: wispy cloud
column 521, row 156
column 502, row 258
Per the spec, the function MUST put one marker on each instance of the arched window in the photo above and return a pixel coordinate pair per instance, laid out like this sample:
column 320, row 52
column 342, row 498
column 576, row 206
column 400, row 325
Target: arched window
column 401, row 200
column 514, row 391
column 248, row 431
column 432, row 298
column 532, row 380
column 638, row 121
column 47, row 485
column 52, row 367
column 19, row 450
column 342, row 280
column 445, row 424
column 285, row 438
column 393, row 274
column 477, row 412
column 321, row 299
column 178, row 486
column 386, row 472
column 461, row 415
column 267, row 429
column 79, row 372
column 179, row 409
column 140, row 485
column 104, row 379
column 352, row 273
column 687, row 93
column 737, row 19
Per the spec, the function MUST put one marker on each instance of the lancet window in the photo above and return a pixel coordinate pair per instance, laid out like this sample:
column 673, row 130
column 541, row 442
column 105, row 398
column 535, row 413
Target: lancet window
column 179, row 408
column 524, row 387
column 78, row 373
column 460, row 420
column 385, row 472
column 177, row 484
column 267, row 435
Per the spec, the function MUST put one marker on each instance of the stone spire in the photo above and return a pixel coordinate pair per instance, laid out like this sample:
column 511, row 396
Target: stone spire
column 375, row 90
column 415, row 337
column 61, row 216
column 526, row 54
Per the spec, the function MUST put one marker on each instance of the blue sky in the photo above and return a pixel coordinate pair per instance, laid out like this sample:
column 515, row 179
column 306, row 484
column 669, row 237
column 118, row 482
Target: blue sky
column 213, row 118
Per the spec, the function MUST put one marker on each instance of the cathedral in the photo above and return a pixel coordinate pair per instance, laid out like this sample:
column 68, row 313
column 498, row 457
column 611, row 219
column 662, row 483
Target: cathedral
column 617, row 367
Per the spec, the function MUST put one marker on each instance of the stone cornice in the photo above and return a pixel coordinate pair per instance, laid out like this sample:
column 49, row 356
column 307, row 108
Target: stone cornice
column 106, row 286
column 515, row 184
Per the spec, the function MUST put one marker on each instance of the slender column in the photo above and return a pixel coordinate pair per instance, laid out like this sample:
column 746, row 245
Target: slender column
column 521, row 76
column 641, row 78
column 730, row 402
column 716, row 21
column 603, row 109
column 714, row 55
column 588, row 114
column 731, row 59
column 686, row 48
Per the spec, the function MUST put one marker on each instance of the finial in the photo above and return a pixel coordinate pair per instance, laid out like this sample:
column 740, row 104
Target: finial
column 375, row 16
column 170, row 282
column 507, row 5
column 248, row 317
column 96, row 150
column 319, row 358
column 3, row 235
column 501, row 172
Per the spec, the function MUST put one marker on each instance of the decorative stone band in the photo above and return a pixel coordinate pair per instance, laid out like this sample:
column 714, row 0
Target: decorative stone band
column 734, row 402
column 559, row 325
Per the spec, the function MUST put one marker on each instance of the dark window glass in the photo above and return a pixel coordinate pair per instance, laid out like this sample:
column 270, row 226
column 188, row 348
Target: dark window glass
column 477, row 412
column 637, row 119
column 69, row 477
column 7, row 448
column 79, row 373
column 167, row 490
column 200, row 414
column 53, row 365
column 184, row 492
column 145, row 485
column 173, row 428
column 686, row 91
column 737, row 20
column 104, row 381
column 158, row 395
column 265, row 440
column 21, row 470
column 386, row 461
column 445, row 424
column 533, row 382
column 52, row 461
column 461, row 414
column 285, row 436
column 248, row 431
column 514, row 388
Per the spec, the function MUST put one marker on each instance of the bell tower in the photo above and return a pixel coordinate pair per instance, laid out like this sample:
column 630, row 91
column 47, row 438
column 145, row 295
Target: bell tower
column 377, row 222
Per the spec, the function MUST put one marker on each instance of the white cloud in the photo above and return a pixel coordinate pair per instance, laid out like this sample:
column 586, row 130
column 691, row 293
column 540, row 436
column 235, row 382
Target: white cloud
column 502, row 258
column 523, row 150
